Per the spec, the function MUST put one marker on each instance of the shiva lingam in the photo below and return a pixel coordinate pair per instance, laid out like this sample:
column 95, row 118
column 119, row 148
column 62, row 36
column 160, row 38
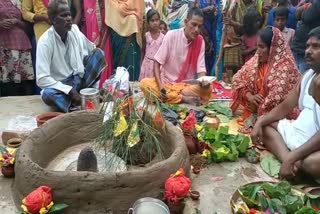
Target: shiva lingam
column 87, row 160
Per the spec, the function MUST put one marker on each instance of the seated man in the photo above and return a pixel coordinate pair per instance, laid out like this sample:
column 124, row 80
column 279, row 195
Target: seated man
column 296, row 143
column 180, row 58
column 66, row 60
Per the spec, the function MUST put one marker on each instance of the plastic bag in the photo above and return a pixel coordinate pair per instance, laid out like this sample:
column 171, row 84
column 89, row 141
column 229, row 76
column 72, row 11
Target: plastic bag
column 199, row 114
column 120, row 80
column 170, row 115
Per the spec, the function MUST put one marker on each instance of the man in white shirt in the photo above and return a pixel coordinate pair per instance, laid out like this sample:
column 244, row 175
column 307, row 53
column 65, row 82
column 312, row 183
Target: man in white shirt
column 66, row 60
column 296, row 143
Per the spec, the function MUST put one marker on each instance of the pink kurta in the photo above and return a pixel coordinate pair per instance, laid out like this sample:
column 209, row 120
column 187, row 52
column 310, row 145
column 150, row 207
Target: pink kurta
column 172, row 55
column 152, row 46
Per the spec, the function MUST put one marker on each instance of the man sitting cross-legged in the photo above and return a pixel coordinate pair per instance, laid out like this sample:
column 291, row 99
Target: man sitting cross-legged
column 66, row 60
column 181, row 58
column 296, row 143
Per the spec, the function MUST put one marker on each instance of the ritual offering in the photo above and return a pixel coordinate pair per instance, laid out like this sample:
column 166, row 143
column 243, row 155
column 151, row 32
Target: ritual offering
column 196, row 169
column 221, row 145
column 195, row 195
column 133, row 131
column 273, row 198
column 189, row 131
column 40, row 201
column 212, row 122
column 44, row 117
column 14, row 142
column 177, row 187
column 90, row 99
column 7, row 159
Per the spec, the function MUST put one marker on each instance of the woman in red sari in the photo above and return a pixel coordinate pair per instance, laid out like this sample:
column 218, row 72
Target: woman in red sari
column 266, row 79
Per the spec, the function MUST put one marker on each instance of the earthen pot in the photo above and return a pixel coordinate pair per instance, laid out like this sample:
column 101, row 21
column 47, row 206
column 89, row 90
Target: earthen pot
column 44, row 117
column 176, row 207
column 14, row 143
column 196, row 169
column 8, row 171
column 195, row 195
column 212, row 122
column 191, row 143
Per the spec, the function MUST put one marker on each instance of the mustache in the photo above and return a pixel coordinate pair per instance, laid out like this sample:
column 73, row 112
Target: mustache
column 308, row 56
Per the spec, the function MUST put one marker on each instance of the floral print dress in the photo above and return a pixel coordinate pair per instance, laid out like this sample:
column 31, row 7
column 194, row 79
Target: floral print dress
column 15, row 47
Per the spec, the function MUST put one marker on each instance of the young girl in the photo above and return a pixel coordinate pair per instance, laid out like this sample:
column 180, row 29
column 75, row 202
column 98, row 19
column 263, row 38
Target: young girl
column 153, row 40
column 163, row 27
column 251, row 24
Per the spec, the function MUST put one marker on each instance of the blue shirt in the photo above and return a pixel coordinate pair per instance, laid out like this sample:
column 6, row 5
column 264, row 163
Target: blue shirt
column 291, row 22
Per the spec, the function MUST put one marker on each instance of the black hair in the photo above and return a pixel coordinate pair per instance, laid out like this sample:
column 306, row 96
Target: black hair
column 281, row 11
column 315, row 32
column 283, row 2
column 163, row 23
column 195, row 11
column 151, row 13
column 249, row 20
column 53, row 8
column 266, row 36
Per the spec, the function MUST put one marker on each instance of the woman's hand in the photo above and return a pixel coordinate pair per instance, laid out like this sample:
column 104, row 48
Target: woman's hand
column 44, row 18
column 227, row 20
column 7, row 23
column 255, row 99
column 252, row 108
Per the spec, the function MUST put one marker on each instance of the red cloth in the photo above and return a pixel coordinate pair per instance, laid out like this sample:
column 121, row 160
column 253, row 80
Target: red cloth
column 189, row 123
column 41, row 197
column 108, row 70
column 219, row 92
column 14, row 38
column 190, row 64
column 177, row 186
column 46, row 2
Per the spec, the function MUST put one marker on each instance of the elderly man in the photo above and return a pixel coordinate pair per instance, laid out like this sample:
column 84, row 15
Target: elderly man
column 296, row 143
column 181, row 58
column 66, row 60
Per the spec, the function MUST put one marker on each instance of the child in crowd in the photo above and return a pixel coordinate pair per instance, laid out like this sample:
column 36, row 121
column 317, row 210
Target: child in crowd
column 280, row 20
column 163, row 27
column 251, row 24
column 153, row 41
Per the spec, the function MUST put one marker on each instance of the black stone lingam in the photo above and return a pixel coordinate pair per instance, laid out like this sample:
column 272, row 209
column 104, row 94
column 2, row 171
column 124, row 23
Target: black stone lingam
column 87, row 160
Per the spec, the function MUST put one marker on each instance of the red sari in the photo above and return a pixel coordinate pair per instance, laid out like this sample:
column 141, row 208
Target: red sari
column 273, row 81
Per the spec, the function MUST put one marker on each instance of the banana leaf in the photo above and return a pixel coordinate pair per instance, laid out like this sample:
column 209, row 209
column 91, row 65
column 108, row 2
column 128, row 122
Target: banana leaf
column 306, row 210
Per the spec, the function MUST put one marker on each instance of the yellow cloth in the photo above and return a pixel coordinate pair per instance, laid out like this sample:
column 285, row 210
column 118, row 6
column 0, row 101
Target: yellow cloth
column 160, row 8
column 174, row 90
column 29, row 9
column 125, row 17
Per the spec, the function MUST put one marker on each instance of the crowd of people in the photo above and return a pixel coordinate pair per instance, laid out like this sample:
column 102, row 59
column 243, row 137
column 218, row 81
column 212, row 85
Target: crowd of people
column 130, row 33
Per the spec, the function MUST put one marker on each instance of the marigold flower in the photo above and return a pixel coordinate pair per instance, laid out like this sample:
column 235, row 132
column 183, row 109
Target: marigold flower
column 205, row 153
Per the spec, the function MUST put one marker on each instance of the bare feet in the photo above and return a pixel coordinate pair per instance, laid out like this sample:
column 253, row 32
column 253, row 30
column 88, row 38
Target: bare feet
column 196, row 101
